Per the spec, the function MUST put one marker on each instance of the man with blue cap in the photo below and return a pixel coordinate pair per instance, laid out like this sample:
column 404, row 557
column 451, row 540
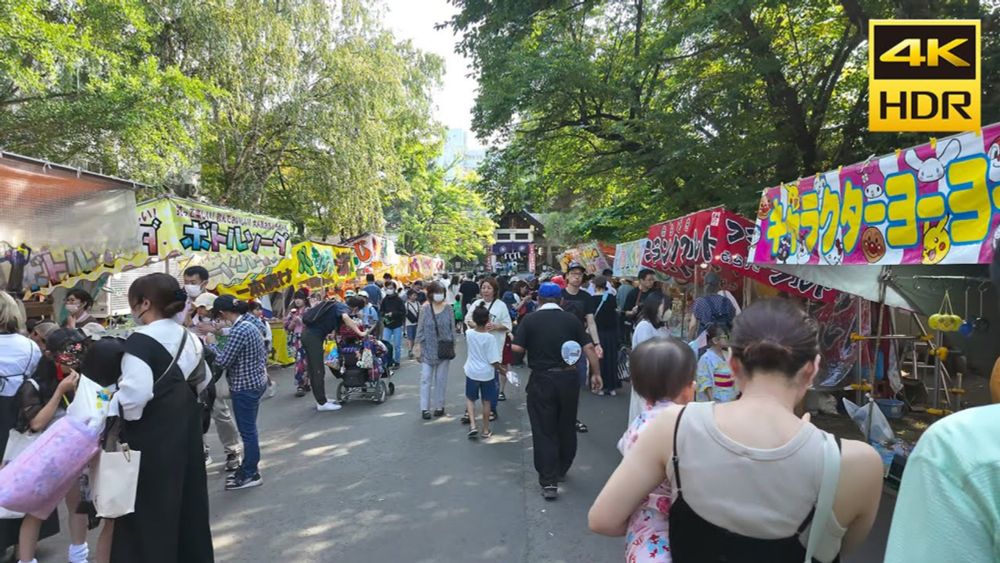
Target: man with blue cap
column 555, row 340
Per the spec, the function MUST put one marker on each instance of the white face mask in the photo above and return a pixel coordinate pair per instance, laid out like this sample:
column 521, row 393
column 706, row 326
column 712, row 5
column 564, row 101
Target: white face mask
column 137, row 318
column 390, row 292
column 438, row 297
column 72, row 308
column 193, row 290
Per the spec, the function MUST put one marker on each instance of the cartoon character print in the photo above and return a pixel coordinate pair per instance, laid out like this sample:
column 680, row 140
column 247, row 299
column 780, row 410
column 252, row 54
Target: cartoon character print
column 993, row 153
column 764, row 207
column 836, row 255
column 874, row 191
column 784, row 249
column 802, row 252
column 794, row 201
column 937, row 241
column 932, row 169
column 872, row 244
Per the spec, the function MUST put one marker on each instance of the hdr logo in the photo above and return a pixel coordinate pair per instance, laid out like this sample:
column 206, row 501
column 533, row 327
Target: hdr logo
column 923, row 75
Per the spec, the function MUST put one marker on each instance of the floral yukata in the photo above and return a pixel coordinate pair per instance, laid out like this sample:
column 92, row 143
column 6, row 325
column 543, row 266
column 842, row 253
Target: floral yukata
column 646, row 538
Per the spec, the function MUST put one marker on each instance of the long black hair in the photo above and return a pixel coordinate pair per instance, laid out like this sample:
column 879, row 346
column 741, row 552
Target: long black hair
column 650, row 309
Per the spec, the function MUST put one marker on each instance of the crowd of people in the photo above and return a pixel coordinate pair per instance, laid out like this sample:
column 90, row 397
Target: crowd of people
column 712, row 402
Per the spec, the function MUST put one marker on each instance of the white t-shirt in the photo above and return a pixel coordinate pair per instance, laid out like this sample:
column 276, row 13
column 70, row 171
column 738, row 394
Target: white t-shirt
column 483, row 353
column 19, row 357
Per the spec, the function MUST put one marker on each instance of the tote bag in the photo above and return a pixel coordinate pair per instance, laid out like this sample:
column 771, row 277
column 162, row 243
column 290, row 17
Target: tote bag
column 116, row 481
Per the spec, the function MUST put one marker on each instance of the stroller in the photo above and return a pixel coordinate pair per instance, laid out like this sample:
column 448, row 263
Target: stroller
column 364, row 368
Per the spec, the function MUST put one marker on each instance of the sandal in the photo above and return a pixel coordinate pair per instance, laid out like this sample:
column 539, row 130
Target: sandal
column 486, row 435
column 502, row 396
column 473, row 434
column 581, row 427
column 465, row 419
column 493, row 416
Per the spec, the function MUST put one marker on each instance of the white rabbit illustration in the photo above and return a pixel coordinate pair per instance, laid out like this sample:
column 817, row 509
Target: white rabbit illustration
column 932, row 169
column 994, row 155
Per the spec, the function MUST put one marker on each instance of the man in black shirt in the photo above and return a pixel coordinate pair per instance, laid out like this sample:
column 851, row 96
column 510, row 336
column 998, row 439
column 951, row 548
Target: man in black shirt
column 647, row 278
column 554, row 340
column 577, row 301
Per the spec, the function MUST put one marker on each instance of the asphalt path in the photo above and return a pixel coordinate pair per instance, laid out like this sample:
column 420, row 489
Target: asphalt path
column 373, row 483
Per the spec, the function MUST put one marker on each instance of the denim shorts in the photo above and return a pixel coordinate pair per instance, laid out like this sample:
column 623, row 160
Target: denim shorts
column 474, row 390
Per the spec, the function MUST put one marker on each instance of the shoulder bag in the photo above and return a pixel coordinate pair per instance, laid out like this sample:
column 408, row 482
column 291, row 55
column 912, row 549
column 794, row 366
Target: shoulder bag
column 446, row 348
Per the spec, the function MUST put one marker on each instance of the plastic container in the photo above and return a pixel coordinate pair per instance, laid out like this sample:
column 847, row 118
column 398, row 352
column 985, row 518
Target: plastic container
column 891, row 408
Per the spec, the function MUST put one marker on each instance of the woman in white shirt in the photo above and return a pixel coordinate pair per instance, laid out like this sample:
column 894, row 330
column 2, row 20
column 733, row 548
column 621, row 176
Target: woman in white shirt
column 656, row 310
column 499, row 326
column 162, row 372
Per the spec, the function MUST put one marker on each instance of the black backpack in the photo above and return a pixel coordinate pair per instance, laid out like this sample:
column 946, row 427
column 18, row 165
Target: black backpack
column 314, row 314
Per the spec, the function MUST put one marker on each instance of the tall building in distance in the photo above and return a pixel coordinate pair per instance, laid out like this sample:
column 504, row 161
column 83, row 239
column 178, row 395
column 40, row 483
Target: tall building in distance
column 458, row 155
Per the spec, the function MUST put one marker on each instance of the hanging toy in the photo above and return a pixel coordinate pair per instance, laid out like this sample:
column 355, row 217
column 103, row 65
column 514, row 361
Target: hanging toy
column 945, row 319
column 967, row 327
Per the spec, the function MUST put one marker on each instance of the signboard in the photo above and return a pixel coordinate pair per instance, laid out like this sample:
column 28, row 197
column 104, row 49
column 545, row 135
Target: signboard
column 590, row 255
column 628, row 258
column 309, row 264
column 937, row 203
column 232, row 245
column 720, row 238
column 521, row 253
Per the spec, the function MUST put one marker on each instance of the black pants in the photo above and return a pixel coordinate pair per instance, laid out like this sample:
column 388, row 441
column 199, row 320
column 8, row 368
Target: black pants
column 552, row 403
column 314, row 364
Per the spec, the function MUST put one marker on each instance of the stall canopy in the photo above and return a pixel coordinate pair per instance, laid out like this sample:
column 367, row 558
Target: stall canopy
column 719, row 238
column 58, row 222
column 932, row 204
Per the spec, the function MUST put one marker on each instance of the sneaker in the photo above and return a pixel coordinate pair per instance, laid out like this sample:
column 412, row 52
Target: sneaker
column 502, row 396
column 208, row 457
column 78, row 553
column 550, row 492
column 426, row 415
column 328, row 406
column 438, row 413
column 300, row 391
column 613, row 393
column 240, row 482
column 272, row 388
column 232, row 462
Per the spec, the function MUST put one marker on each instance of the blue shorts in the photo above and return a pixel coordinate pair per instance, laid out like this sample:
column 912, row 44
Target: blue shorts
column 474, row 390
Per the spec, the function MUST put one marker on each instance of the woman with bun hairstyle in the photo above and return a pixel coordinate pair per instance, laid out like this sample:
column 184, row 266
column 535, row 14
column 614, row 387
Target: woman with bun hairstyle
column 747, row 474
column 162, row 370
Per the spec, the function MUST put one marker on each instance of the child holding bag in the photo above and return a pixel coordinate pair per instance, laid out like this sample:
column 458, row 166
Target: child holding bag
column 41, row 402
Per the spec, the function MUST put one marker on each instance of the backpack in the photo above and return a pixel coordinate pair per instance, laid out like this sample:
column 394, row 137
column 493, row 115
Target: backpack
column 314, row 314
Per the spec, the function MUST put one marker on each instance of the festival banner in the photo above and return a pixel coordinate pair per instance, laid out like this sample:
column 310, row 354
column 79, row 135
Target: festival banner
column 720, row 238
column 232, row 245
column 589, row 254
column 937, row 203
column 519, row 252
column 309, row 264
column 628, row 258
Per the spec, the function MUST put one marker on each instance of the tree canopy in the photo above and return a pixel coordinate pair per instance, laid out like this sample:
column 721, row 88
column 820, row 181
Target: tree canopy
column 625, row 112
column 309, row 110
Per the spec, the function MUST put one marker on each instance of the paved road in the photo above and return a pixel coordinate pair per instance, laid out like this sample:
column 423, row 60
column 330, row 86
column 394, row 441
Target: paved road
column 373, row 483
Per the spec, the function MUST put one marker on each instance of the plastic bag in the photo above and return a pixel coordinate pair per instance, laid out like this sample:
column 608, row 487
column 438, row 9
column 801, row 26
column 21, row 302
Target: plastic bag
column 91, row 403
column 881, row 431
column 38, row 479
column 513, row 379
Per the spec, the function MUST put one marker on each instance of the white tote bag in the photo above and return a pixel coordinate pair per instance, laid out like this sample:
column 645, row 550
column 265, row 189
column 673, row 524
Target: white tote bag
column 115, row 482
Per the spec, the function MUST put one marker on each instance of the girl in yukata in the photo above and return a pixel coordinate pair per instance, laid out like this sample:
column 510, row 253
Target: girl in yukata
column 715, row 378
column 662, row 371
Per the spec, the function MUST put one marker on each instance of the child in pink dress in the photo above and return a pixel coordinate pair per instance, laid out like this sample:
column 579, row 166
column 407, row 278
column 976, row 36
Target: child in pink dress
column 663, row 374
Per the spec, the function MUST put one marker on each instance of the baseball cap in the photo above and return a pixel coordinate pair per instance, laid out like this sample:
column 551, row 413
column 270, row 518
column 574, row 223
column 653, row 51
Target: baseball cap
column 94, row 331
column 575, row 266
column 549, row 290
column 206, row 300
column 225, row 303
column 45, row 328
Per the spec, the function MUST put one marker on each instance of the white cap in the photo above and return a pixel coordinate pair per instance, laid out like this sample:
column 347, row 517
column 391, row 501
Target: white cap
column 206, row 300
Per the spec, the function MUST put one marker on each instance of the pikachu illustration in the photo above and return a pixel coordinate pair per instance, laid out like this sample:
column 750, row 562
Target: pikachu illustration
column 937, row 242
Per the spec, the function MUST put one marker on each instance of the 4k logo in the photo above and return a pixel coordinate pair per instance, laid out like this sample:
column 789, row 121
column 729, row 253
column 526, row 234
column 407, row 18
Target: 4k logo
column 923, row 75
